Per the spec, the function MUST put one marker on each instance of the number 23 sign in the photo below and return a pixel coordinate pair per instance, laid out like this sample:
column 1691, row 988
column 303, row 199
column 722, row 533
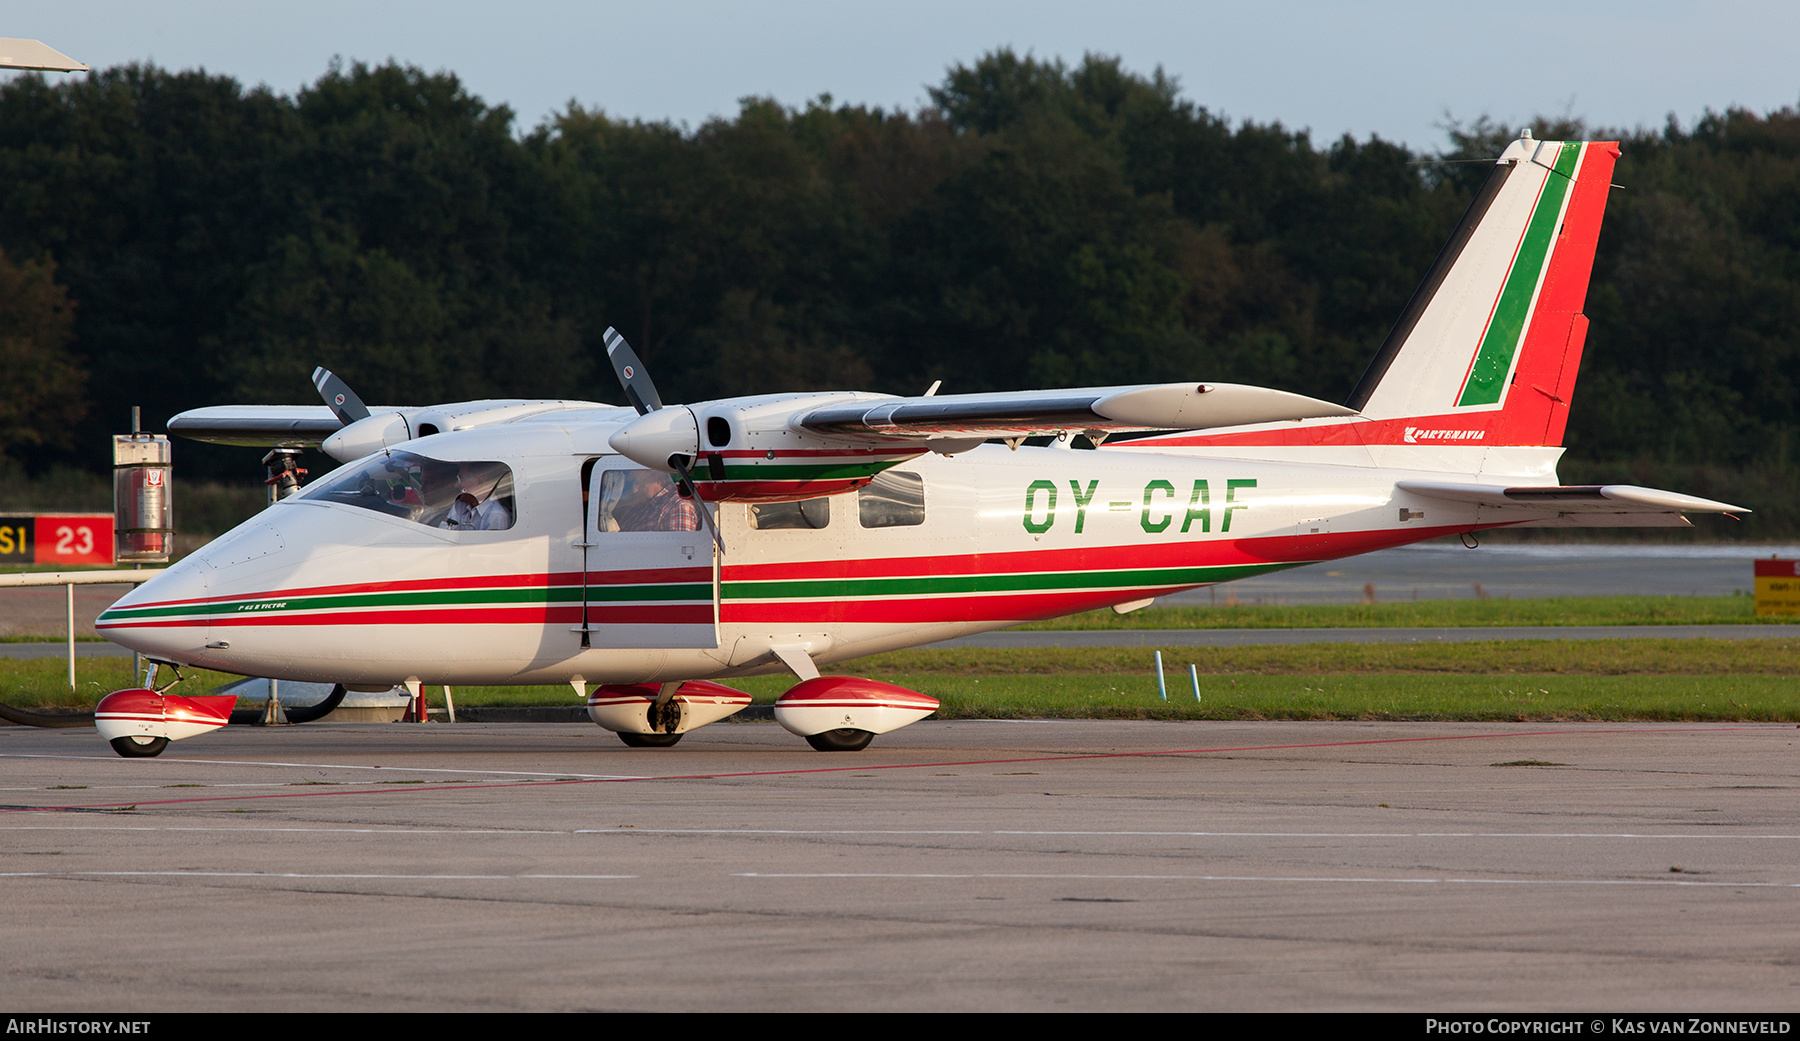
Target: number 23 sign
column 56, row 538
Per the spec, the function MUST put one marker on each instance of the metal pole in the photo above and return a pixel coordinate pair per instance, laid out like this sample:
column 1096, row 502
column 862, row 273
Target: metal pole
column 449, row 704
column 1194, row 674
column 137, row 659
column 1161, row 687
column 71, row 590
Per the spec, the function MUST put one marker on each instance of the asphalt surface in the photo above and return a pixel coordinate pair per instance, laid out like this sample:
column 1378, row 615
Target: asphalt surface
column 953, row 865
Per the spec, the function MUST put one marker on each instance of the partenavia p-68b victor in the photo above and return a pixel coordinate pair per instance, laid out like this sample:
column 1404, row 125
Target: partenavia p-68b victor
column 640, row 554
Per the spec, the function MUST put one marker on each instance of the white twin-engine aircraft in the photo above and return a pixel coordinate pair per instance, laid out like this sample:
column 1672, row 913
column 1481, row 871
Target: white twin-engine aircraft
column 638, row 554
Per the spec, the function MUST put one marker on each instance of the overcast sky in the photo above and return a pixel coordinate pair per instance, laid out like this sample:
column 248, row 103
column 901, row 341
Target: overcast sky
column 1388, row 67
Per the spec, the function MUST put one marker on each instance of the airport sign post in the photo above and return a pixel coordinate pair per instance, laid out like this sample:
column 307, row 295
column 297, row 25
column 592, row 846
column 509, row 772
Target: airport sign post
column 56, row 538
column 1777, row 587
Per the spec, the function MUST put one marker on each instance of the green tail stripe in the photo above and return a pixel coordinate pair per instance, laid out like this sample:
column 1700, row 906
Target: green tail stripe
column 1487, row 378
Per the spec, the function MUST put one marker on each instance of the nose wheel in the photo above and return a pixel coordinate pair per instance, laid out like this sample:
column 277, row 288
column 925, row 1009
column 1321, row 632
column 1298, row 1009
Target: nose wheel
column 134, row 747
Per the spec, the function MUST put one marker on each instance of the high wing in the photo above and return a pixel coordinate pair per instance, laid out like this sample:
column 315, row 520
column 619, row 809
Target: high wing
column 319, row 426
column 1167, row 406
column 795, row 446
column 1577, row 505
column 258, row 426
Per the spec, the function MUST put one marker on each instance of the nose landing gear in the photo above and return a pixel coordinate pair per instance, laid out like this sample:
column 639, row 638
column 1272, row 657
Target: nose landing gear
column 139, row 722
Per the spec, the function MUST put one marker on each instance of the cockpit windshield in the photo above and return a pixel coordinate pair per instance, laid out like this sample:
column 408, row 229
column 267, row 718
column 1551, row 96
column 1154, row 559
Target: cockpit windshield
column 467, row 496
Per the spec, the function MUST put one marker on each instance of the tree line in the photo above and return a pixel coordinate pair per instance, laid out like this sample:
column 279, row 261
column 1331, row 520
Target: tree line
column 173, row 239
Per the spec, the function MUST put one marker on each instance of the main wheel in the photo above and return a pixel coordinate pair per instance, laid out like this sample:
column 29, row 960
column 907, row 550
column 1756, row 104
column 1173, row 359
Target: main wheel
column 843, row 739
column 139, row 747
column 648, row 740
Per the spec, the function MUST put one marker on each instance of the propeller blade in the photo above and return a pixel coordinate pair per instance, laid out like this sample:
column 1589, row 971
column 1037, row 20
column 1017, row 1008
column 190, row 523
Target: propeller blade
column 338, row 396
column 632, row 375
column 685, row 477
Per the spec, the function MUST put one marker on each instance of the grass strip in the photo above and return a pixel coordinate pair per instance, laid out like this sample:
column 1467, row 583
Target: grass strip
column 1358, row 696
column 44, row 682
column 1368, row 697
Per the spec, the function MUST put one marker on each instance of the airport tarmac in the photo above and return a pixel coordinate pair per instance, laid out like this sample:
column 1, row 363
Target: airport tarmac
column 1079, row 865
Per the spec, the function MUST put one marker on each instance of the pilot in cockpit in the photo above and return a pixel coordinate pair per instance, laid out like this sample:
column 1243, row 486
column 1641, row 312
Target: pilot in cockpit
column 476, row 506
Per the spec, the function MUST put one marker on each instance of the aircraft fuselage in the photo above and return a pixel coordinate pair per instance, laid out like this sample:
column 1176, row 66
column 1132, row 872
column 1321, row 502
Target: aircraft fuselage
column 318, row 590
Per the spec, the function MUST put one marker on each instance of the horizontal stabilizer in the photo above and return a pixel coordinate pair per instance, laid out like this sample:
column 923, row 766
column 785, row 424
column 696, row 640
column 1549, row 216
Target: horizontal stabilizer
column 1169, row 406
column 33, row 54
column 1575, row 498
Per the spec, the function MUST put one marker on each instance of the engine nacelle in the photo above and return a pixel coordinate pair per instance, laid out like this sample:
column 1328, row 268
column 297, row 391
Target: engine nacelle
column 747, row 450
column 625, row 708
column 141, row 722
column 830, row 703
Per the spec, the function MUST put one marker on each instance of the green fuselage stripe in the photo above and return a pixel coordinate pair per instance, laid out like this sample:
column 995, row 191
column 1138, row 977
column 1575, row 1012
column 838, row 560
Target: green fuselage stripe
column 799, row 589
column 434, row 598
column 1487, row 378
column 831, row 589
column 799, row 471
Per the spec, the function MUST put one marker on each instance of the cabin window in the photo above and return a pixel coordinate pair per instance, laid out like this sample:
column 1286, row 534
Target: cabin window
column 892, row 500
column 457, row 496
column 644, row 500
column 807, row 513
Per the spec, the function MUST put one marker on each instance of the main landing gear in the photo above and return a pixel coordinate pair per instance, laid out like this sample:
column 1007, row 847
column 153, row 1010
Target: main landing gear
column 833, row 713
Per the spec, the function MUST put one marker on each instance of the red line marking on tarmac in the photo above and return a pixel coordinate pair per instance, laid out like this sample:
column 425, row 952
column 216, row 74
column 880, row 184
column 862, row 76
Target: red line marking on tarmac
column 411, row 788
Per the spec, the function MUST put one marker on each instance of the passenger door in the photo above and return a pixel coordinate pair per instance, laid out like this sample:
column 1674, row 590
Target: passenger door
column 650, row 576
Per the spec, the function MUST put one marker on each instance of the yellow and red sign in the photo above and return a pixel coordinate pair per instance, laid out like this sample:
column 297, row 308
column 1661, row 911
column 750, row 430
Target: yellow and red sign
column 1777, row 587
column 56, row 538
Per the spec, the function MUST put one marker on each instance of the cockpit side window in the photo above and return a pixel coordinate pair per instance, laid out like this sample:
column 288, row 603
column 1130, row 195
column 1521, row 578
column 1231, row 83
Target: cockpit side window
column 457, row 496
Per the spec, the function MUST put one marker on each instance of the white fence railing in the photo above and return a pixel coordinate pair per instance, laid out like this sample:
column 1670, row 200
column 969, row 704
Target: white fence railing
column 71, row 579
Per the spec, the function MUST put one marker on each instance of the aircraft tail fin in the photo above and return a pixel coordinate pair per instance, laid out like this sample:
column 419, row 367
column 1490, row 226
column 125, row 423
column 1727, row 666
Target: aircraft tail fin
column 1488, row 347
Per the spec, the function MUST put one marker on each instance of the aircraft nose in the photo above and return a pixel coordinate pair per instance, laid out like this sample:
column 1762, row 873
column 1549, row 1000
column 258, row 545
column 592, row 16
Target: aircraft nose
column 165, row 617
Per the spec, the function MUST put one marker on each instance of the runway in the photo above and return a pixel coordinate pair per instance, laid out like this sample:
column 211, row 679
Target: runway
column 1076, row 865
